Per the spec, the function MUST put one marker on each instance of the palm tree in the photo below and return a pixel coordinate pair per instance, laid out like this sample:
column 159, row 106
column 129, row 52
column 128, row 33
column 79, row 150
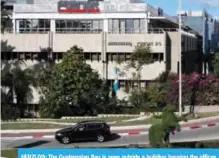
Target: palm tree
column 18, row 83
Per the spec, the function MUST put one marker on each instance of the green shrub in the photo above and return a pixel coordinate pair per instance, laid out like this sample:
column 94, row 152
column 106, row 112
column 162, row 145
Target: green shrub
column 156, row 136
column 9, row 112
column 158, row 133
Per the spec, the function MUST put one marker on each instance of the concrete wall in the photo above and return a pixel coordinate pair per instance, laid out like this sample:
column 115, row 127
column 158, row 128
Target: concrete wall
column 149, row 72
column 189, row 51
column 98, row 43
column 26, row 42
column 157, row 41
column 89, row 42
column 200, row 109
column 174, row 49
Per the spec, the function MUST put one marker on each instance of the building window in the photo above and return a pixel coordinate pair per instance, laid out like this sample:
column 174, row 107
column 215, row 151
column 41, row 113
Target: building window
column 116, row 57
column 123, row 57
column 33, row 25
column 57, row 56
column 126, row 25
column 158, row 56
column 79, row 26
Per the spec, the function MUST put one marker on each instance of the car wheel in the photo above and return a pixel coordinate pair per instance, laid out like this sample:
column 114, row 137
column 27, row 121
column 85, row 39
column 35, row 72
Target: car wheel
column 100, row 138
column 65, row 140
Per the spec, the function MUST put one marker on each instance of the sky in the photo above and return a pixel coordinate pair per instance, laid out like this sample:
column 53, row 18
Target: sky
column 171, row 6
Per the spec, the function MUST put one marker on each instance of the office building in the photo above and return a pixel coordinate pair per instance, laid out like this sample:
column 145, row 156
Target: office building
column 107, row 30
column 207, row 26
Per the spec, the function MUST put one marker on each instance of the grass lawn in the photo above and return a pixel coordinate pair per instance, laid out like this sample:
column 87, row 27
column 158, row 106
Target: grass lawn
column 209, row 114
column 11, row 153
column 30, row 125
column 10, row 126
column 107, row 119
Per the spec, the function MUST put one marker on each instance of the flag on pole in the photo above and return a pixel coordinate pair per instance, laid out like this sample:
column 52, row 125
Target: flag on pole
column 116, row 82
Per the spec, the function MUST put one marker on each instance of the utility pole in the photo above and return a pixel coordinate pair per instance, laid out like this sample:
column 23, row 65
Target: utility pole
column 180, row 58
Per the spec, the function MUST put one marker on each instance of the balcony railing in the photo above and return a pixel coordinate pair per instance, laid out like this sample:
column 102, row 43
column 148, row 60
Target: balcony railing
column 155, row 31
column 127, row 31
column 77, row 31
column 34, row 30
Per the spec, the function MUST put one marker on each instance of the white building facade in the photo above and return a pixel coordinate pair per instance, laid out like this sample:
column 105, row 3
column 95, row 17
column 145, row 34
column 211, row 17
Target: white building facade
column 107, row 31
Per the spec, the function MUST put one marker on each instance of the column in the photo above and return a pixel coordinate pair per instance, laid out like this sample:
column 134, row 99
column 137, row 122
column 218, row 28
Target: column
column 105, row 25
column 52, row 25
column 104, row 48
column 16, row 26
column 146, row 24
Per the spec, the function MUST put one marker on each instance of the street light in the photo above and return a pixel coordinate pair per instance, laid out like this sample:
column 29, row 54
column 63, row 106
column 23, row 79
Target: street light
column 180, row 59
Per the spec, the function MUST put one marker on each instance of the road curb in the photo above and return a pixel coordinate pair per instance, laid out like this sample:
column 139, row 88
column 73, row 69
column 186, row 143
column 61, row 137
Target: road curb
column 41, row 136
column 200, row 126
column 131, row 133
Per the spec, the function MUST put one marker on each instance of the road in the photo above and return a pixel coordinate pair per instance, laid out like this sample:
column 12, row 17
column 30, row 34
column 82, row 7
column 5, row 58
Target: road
column 117, row 131
column 191, row 135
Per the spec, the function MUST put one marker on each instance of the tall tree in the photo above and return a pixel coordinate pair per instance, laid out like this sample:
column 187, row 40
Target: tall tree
column 141, row 56
column 18, row 82
column 74, row 88
column 216, row 64
column 4, row 17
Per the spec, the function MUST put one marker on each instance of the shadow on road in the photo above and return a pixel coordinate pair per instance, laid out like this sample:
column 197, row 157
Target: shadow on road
column 34, row 144
column 113, row 137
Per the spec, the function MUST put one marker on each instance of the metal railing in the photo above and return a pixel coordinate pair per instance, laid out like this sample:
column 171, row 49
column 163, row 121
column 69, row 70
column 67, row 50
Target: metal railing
column 127, row 31
column 34, row 30
column 77, row 31
column 164, row 29
column 155, row 31
column 171, row 29
column 91, row 31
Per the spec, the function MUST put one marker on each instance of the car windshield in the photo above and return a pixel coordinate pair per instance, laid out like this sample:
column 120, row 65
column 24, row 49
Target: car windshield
column 75, row 126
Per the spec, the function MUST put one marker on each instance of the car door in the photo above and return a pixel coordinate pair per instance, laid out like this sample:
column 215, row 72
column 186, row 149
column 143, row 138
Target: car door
column 92, row 130
column 79, row 133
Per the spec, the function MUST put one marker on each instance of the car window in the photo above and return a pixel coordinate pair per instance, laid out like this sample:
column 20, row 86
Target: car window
column 80, row 128
column 93, row 126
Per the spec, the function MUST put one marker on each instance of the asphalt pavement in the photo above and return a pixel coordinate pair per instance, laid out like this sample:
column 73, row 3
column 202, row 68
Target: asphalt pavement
column 209, row 133
column 117, row 131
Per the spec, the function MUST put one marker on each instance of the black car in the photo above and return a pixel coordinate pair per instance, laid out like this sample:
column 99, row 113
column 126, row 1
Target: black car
column 86, row 130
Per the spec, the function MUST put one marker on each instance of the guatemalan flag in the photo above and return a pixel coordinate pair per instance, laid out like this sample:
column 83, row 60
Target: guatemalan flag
column 116, row 82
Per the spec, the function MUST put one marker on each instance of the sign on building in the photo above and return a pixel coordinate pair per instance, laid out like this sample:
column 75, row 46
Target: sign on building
column 78, row 7
column 119, row 44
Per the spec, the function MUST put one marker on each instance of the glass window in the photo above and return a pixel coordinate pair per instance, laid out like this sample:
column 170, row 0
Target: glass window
column 69, row 24
column 115, row 25
column 129, row 25
column 21, row 23
column 63, row 26
column 122, row 26
column 34, row 25
column 142, row 25
column 136, row 25
column 126, row 25
column 110, row 25
column 95, row 24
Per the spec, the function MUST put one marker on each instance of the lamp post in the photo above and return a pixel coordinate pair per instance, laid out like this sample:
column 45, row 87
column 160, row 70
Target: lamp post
column 180, row 59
